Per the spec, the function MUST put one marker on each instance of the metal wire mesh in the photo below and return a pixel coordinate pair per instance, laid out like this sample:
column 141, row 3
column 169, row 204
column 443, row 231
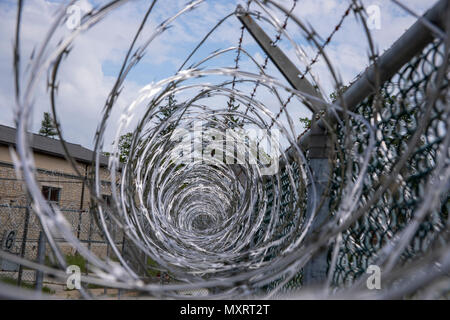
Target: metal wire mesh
column 401, row 109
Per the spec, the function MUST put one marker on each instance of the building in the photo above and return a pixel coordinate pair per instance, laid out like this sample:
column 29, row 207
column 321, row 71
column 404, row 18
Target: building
column 59, row 183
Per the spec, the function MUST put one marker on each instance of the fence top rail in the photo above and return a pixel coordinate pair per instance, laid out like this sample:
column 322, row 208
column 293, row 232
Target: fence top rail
column 10, row 206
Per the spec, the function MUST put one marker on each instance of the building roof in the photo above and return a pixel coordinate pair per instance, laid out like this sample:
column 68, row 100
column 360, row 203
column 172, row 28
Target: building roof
column 50, row 146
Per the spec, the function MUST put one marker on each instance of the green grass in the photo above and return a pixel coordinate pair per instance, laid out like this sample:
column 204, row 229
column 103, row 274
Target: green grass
column 89, row 286
column 78, row 260
column 47, row 290
column 71, row 259
column 95, row 286
column 25, row 285
column 151, row 267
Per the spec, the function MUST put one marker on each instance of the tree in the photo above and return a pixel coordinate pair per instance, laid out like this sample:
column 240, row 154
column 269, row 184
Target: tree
column 334, row 96
column 166, row 112
column 338, row 93
column 230, row 120
column 124, row 146
column 306, row 122
column 126, row 139
column 48, row 126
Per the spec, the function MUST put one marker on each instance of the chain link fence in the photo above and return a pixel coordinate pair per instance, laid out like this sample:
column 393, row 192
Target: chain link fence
column 20, row 230
column 401, row 109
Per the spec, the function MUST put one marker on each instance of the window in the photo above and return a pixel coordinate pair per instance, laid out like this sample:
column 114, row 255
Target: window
column 52, row 194
column 107, row 198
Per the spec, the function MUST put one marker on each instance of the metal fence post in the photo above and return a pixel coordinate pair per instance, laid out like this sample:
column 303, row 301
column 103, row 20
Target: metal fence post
column 89, row 238
column 82, row 201
column 119, row 292
column 79, row 224
column 315, row 271
column 105, row 290
column 40, row 260
column 24, row 241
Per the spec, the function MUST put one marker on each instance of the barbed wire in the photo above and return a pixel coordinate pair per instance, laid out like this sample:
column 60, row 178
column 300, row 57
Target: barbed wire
column 316, row 58
column 227, row 223
column 274, row 43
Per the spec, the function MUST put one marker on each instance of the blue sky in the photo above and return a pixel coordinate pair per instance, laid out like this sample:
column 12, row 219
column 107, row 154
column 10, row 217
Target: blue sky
column 88, row 74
